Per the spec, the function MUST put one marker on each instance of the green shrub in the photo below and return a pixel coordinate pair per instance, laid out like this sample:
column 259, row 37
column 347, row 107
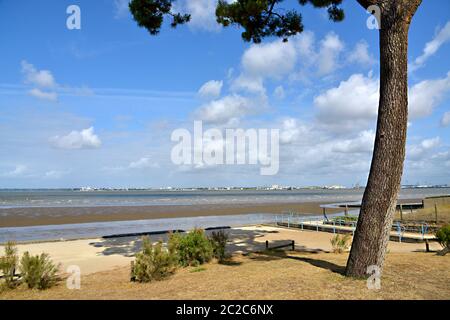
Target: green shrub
column 153, row 263
column 219, row 241
column 191, row 249
column 8, row 264
column 340, row 243
column 38, row 271
column 443, row 237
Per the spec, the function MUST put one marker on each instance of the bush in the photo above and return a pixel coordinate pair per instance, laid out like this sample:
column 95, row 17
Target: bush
column 340, row 243
column 192, row 249
column 38, row 271
column 152, row 263
column 219, row 241
column 8, row 264
column 443, row 237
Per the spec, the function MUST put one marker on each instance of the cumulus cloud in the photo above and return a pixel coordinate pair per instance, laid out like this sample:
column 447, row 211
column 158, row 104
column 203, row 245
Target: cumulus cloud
column 291, row 131
column 417, row 151
column 211, row 89
column 431, row 47
column 445, row 121
column 426, row 95
column 354, row 102
column 272, row 59
column 18, row 171
column 360, row 54
column 225, row 110
column 248, row 83
column 330, row 48
column 38, row 93
column 40, row 79
column 350, row 105
column 363, row 143
column 143, row 163
column 120, row 8
column 84, row 139
column 203, row 13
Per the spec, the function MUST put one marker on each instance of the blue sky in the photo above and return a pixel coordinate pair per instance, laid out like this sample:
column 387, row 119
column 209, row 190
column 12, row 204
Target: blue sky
column 97, row 106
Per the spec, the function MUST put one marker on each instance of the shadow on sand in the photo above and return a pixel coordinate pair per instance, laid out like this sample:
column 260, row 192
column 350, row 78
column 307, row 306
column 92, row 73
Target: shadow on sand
column 245, row 241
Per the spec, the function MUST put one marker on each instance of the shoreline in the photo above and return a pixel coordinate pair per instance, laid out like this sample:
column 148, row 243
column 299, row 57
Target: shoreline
column 96, row 254
column 41, row 216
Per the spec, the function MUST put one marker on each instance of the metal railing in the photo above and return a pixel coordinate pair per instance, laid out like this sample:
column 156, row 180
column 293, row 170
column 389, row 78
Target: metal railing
column 293, row 219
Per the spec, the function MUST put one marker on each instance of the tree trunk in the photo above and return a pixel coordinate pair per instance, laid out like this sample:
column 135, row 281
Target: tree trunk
column 444, row 251
column 380, row 196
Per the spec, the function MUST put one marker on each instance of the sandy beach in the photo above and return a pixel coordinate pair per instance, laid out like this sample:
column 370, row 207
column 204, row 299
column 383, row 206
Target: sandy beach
column 94, row 255
column 19, row 217
column 250, row 273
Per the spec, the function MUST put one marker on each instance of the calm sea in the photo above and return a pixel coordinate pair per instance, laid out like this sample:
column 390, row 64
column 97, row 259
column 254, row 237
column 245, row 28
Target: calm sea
column 64, row 198
column 69, row 198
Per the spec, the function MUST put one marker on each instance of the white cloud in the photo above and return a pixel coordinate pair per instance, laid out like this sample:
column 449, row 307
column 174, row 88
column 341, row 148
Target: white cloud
column 350, row 105
column 225, row 110
column 203, row 13
column 143, row 163
column 248, row 84
column 121, row 8
column 265, row 60
column 431, row 47
column 330, row 48
column 272, row 59
column 426, row 95
column 18, row 171
column 418, row 151
column 445, row 121
column 363, row 143
column 39, row 78
column 354, row 102
column 211, row 89
column 360, row 54
column 305, row 43
column 77, row 140
column 291, row 131
column 38, row 93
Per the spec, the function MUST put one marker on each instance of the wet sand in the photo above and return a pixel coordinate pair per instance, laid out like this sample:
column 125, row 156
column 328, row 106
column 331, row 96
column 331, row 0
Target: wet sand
column 20, row 217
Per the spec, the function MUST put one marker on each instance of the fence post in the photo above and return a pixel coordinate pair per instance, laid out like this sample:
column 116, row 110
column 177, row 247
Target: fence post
column 401, row 212
column 436, row 212
column 293, row 245
column 132, row 276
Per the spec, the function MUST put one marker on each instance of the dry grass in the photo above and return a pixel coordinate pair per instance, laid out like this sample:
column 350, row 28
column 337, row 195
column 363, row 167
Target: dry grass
column 291, row 275
column 427, row 214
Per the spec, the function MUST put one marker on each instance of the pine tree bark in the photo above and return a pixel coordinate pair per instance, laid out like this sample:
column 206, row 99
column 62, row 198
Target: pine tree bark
column 380, row 196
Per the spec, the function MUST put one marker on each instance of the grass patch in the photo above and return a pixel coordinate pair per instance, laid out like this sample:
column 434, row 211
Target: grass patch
column 197, row 269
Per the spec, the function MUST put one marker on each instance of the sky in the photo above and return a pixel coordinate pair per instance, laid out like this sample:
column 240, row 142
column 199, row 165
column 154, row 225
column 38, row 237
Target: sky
column 97, row 106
